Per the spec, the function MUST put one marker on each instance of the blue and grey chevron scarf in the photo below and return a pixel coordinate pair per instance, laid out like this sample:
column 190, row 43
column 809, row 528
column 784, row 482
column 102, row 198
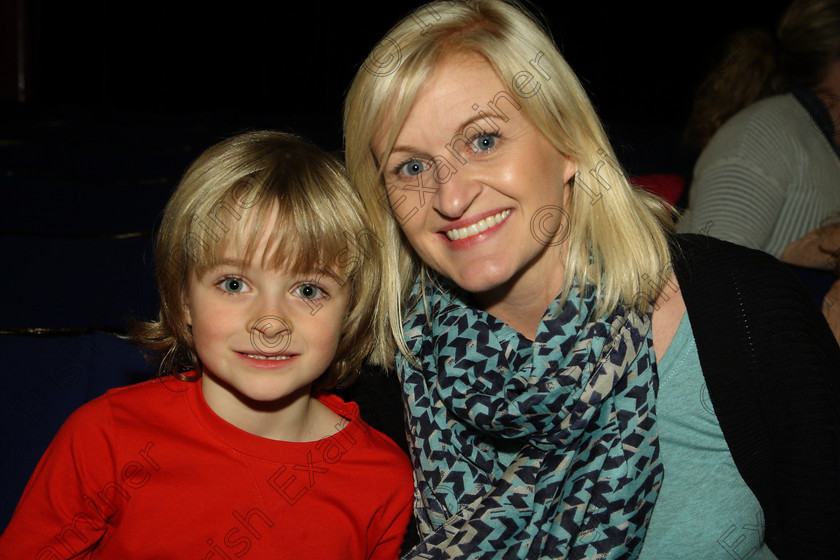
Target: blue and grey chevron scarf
column 521, row 449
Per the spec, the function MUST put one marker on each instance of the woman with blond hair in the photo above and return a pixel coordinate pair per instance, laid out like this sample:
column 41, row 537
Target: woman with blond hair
column 559, row 401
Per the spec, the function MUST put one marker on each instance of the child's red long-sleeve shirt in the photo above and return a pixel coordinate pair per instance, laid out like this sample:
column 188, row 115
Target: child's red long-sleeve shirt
column 149, row 471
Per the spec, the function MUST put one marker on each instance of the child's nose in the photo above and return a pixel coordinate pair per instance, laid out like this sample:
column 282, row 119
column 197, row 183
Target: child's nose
column 270, row 334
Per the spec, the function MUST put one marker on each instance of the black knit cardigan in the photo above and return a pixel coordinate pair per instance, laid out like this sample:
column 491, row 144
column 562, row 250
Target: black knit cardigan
column 771, row 366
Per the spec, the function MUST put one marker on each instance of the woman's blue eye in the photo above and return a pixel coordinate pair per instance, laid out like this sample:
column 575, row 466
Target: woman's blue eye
column 309, row 291
column 412, row 168
column 233, row 285
column 483, row 143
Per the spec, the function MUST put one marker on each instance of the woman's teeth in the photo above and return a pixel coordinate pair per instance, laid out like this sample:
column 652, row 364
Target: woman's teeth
column 478, row 227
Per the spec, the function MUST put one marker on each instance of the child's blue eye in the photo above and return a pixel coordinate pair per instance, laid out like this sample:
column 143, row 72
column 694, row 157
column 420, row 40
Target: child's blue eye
column 309, row 291
column 484, row 142
column 233, row 285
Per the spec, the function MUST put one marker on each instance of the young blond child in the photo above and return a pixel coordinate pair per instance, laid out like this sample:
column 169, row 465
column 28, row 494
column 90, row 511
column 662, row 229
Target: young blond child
column 268, row 280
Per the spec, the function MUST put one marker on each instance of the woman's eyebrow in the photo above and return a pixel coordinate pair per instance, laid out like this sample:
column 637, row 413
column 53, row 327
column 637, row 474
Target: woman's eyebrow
column 482, row 116
column 472, row 121
column 402, row 150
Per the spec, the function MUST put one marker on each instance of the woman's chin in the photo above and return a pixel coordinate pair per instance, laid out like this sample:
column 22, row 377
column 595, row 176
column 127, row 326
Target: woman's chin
column 482, row 281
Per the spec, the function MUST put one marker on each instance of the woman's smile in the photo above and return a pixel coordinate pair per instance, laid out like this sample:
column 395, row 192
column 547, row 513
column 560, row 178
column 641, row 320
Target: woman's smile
column 480, row 226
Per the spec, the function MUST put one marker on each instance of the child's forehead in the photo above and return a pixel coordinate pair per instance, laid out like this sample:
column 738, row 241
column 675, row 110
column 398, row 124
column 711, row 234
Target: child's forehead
column 245, row 265
column 268, row 251
column 273, row 237
column 260, row 235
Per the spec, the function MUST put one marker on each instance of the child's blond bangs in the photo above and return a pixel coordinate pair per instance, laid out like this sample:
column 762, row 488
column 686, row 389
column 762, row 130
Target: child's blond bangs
column 292, row 229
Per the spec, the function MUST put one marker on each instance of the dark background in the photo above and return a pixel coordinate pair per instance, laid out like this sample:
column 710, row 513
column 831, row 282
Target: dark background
column 641, row 61
column 104, row 103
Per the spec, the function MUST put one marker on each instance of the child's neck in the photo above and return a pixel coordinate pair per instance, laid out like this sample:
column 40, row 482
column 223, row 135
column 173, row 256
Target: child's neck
column 299, row 417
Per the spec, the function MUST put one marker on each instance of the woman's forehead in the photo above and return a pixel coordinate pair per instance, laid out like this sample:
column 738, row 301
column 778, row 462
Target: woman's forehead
column 458, row 83
column 459, row 88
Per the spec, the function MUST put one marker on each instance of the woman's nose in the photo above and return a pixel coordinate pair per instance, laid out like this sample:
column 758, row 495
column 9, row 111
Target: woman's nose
column 456, row 192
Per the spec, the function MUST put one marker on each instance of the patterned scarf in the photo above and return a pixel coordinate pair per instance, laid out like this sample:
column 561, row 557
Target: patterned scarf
column 543, row 449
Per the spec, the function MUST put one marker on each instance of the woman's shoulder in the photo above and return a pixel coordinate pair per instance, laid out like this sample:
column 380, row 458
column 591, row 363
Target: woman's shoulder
column 774, row 112
column 740, row 298
column 770, row 129
column 721, row 280
column 708, row 256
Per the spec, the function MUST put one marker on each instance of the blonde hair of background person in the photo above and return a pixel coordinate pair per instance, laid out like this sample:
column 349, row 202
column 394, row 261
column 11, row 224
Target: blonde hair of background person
column 617, row 231
column 757, row 64
column 317, row 222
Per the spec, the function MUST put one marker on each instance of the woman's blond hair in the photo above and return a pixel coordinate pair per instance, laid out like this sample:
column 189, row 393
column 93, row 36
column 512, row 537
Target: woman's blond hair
column 617, row 238
column 230, row 196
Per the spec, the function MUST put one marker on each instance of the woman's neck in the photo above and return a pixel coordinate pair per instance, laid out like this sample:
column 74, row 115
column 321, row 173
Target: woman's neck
column 521, row 304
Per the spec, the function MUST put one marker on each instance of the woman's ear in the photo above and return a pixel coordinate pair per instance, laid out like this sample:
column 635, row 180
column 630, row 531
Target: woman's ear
column 569, row 171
